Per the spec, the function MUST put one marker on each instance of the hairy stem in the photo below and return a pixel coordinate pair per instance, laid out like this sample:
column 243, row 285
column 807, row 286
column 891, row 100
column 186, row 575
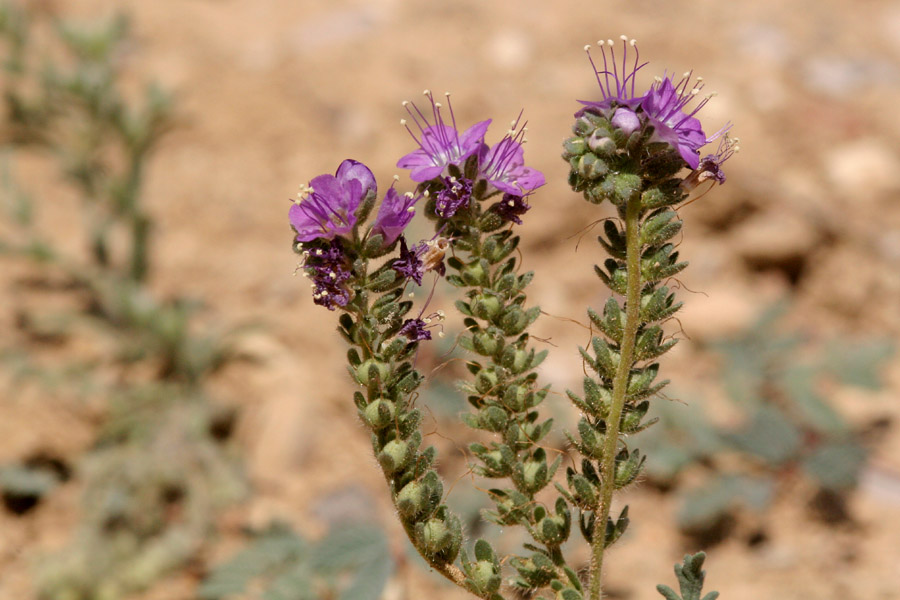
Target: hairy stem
column 620, row 387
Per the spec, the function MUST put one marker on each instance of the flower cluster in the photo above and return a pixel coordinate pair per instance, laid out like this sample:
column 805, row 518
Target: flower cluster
column 664, row 107
column 453, row 163
column 326, row 265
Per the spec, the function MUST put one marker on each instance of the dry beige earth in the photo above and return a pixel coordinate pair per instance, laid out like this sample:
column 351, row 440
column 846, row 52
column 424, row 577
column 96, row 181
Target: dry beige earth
column 272, row 93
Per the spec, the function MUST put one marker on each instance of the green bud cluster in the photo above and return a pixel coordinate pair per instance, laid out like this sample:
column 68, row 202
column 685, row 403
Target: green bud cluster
column 380, row 363
column 639, row 177
column 504, row 395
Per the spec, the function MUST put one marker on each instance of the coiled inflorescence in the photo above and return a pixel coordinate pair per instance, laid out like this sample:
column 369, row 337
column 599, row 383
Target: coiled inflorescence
column 630, row 150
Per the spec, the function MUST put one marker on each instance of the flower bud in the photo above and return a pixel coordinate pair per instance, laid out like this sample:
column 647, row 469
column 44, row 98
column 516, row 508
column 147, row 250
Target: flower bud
column 435, row 536
column 484, row 577
column 486, row 307
column 379, row 414
column 574, row 146
column 600, row 144
column 492, row 418
column 412, row 499
column 628, row 466
column 485, row 343
column 583, row 492
column 520, row 361
column 395, row 455
column 590, row 167
column 516, row 397
column 513, row 321
column 486, row 381
column 474, row 274
column 371, row 368
column 534, row 475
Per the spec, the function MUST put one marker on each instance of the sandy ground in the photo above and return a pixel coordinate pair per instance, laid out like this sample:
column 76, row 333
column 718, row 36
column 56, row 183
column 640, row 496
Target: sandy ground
column 272, row 93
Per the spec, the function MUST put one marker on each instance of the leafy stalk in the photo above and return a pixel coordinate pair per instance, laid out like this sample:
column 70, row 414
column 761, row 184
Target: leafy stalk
column 503, row 390
column 381, row 362
column 638, row 177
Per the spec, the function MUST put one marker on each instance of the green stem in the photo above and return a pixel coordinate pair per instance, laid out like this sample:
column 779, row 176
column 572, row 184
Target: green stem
column 620, row 387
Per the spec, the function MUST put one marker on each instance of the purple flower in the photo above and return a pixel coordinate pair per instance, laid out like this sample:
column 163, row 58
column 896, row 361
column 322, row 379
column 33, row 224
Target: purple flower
column 511, row 208
column 665, row 104
column 455, row 195
column 327, row 206
column 710, row 167
column 440, row 145
column 503, row 165
column 394, row 215
column 326, row 265
column 409, row 265
column 617, row 79
column 414, row 330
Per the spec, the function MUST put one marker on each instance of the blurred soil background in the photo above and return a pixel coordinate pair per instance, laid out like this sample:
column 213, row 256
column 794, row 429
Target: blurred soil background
column 269, row 94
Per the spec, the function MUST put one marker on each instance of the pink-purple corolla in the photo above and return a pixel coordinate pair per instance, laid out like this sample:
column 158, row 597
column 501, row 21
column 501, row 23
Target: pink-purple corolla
column 503, row 164
column 665, row 106
column 395, row 213
column 440, row 144
column 327, row 206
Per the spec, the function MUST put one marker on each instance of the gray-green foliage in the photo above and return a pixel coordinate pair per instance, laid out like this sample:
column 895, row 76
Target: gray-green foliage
column 352, row 562
column 776, row 381
column 159, row 470
column 153, row 485
column 690, row 576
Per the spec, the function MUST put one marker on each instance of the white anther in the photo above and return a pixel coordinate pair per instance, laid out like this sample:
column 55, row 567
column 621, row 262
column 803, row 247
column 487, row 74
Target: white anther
column 694, row 92
column 587, row 47
column 426, row 92
column 426, row 193
column 396, row 178
column 686, row 74
column 609, row 42
column 405, row 103
column 440, row 334
column 657, row 79
column 403, row 121
column 600, row 43
column 411, row 295
column 438, row 105
column 624, row 38
column 411, row 209
column 633, row 42
column 441, row 314
column 408, row 194
column 699, row 79
column 426, row 320
column 447, row 94
column 333, row 275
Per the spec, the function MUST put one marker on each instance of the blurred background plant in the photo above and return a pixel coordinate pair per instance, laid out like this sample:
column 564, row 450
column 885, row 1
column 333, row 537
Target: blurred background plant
column 351, row 562
column 161, row 467
column 785, row 427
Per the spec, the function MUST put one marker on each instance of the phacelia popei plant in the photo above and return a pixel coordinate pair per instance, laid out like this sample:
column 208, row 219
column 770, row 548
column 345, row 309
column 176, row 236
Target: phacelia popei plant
column 639, row 152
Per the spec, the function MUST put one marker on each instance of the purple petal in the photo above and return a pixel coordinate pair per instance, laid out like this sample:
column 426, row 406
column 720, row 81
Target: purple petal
column 352, row 170
column 471, row 139
column 393, row 215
